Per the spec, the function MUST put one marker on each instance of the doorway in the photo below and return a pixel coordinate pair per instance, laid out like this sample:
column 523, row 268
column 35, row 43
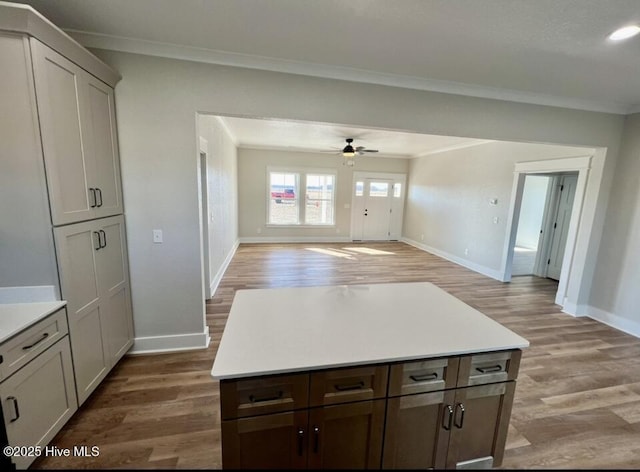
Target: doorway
column 377, row 206
column 204, row 217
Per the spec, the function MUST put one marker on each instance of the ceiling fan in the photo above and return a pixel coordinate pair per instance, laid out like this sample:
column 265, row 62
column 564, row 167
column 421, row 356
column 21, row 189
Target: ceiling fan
column 349, row 152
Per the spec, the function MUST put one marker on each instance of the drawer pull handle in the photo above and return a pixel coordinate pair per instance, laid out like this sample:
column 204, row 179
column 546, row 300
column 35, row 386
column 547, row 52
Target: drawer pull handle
column 15, row 407
column 460, row 407
column 300, row 441
column 487, row 370
column 42, row 338
column 424, row 377
column 277, row 396
column 448, row 413
column 346, row 388
column 316, row 438
column 100, row 194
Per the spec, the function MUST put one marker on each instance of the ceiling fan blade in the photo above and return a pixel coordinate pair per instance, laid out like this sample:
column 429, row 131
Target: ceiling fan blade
column 360, row 148
column 362, row 151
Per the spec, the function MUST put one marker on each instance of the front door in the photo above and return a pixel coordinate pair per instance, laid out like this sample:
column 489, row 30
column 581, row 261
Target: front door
column 376, row 222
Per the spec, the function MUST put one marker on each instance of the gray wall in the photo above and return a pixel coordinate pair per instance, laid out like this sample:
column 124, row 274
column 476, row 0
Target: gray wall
column 157, row 101
column 449, row 193
column 222, row 164
column 253, row 190
column 615, row 295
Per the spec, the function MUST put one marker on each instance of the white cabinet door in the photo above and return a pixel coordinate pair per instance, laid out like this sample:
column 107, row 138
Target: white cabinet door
column 39, row 399
column 78, row 247
column 104, row 146
column 79, row 138
column 114, row 287
column 59, row 92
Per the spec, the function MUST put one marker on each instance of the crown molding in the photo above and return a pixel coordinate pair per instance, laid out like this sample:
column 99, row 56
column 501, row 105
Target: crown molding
column 454, row 147
column 213, row 56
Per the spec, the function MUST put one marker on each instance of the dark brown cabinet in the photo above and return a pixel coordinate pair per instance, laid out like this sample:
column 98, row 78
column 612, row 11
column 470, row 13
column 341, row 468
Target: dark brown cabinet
column 450, row 412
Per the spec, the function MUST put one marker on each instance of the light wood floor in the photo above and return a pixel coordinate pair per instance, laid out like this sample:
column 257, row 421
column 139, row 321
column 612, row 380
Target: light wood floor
column 577, row 402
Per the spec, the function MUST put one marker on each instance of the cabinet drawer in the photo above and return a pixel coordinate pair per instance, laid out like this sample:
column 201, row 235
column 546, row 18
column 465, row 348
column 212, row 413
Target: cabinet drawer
column 261, row 395
column 346, row 385
column 25, row 346
column 488, row 368
column 423, row 376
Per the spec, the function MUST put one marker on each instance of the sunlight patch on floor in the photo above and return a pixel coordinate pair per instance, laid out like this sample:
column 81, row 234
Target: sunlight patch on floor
column 331, row 252
column 368, row 250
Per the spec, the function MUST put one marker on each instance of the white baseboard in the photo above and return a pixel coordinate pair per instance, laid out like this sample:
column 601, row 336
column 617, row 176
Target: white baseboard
column 171, row 343
column 493, row 273
column 218, row 277
column 38, row 293
column 296, row 239
column 574, row 309
column 618, row 322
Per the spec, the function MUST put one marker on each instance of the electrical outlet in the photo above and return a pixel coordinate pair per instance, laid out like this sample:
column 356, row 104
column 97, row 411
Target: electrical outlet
column 466, row 251
column 422, row 237
column 157, row 236
column 259, row 230
column 496, row 220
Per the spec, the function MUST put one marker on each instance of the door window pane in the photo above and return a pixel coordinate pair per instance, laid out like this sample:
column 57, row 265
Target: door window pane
column 397, row 190
column 379, row 189
column 359, row 189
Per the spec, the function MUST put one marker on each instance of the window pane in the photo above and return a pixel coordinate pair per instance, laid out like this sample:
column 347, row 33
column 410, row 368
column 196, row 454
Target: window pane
column 359, row 189
column 320, row 193
column 378, row 189
column 283, row 202
column 397, row 190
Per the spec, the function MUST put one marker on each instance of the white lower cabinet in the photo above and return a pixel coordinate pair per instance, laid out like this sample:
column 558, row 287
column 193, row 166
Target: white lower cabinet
column 94, row 276
column 38, row 399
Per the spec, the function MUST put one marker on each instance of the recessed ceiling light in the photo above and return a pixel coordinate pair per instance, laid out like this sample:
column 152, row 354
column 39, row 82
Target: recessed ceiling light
column 624, row 33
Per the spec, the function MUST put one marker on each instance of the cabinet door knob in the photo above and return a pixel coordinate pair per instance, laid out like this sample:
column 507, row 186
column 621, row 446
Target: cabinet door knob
column 448, row 414
column 460, row 407
column 15, row 407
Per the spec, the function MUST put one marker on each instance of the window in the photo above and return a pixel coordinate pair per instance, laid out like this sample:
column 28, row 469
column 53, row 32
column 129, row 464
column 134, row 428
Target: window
column 397, row 190
column 359, row 189
column 319, row 199
column 285, row 206
column 283, row 201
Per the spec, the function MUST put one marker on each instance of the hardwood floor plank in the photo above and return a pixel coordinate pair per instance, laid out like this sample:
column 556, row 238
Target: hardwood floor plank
column 577, row 402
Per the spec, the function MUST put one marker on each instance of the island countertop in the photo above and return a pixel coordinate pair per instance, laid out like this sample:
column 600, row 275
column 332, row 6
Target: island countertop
column 281, row 330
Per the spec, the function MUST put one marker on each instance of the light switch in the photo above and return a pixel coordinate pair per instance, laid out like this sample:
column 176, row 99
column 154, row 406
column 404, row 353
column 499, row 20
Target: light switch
column 496, row 220
column 157, row 236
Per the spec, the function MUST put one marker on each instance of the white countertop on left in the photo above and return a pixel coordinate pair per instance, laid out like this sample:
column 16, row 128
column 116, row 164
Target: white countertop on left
column 16, row 317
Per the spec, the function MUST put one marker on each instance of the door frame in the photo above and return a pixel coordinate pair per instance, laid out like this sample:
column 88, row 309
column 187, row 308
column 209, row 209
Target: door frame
column 203, row 187
column 582, row 165
column 397, row 203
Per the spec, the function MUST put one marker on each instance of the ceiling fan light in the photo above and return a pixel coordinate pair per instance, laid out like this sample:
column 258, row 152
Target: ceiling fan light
column 348, row 153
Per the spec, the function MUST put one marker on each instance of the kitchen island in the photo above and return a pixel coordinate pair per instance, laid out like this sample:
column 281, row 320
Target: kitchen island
column 400, row 375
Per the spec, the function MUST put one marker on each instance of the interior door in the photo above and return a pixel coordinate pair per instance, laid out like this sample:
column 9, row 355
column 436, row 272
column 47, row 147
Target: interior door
column 376, row 224
column 561, row 225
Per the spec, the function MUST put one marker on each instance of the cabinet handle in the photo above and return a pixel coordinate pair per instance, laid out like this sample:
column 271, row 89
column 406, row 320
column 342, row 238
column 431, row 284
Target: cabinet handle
column 345, row 388
column 487, row 370
column 42, row 338
column 449, row 412
column 93, row 194
column 99, row 241
column 316, row 438
column 100, row 195
column 459, row 406
column 277, row 396
column 104, row 238
column 15, row 406
column 422, row 378
column 300, row 441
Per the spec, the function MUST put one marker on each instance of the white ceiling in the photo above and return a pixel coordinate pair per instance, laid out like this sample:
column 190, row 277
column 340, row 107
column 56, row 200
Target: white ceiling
column 297, row 136
column 538, row 51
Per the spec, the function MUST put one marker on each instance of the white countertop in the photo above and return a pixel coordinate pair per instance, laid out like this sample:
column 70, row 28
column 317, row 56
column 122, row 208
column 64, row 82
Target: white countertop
column 15, row 317
column 283, row 330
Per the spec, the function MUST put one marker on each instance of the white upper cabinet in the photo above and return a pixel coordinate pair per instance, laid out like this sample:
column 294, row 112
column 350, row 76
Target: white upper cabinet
column 79, row 138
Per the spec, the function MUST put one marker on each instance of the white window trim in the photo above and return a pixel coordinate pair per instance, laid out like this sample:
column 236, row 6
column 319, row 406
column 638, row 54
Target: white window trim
column 301, row 184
